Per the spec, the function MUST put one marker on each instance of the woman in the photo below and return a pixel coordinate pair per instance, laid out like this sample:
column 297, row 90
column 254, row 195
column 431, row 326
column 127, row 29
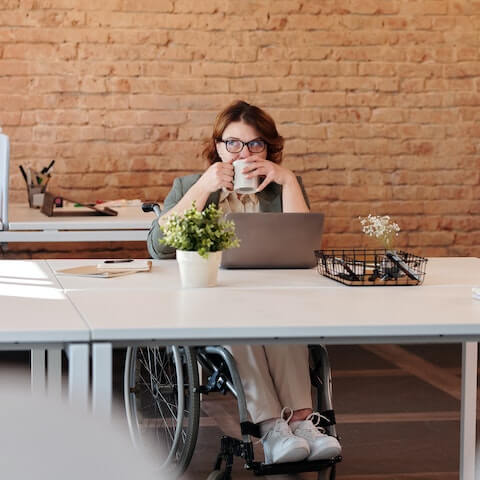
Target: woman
column 275, row 378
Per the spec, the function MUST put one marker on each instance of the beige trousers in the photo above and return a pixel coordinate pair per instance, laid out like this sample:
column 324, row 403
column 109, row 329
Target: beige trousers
column 273, row 376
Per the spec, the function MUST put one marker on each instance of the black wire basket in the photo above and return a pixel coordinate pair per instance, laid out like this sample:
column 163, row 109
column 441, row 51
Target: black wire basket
column 376, row 267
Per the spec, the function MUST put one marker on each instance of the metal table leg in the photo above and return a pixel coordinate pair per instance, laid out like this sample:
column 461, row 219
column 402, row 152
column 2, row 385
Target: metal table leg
column 102, row 379
column 78, row 374
column 468, row 413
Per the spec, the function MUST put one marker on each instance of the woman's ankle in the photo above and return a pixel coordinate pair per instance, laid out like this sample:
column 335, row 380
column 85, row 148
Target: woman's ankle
column 299, row 415
column 267, row 425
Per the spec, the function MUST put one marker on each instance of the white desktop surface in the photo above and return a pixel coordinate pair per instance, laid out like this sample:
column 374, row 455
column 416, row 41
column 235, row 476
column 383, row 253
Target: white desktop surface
column 164, row 275
column 34, row 308
column 450, row 271
column 36, row 315
column 226, row 314
column 21, row 217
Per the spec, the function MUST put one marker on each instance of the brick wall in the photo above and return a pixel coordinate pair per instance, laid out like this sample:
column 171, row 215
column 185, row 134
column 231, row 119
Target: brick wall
column 378, row 100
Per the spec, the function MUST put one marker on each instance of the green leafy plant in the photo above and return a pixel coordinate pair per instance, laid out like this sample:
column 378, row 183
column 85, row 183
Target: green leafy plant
column 201, row 232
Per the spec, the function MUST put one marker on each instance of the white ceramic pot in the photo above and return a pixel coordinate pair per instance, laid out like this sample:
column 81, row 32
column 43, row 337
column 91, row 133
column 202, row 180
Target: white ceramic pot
column 196, row 271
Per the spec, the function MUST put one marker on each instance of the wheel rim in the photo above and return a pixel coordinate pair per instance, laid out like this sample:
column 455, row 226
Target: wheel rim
column 155, row 406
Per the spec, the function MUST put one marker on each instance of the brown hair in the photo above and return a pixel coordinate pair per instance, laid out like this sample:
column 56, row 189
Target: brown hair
column 253, row 116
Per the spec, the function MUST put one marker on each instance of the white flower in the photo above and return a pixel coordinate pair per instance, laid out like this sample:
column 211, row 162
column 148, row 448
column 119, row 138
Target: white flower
column 381, row 228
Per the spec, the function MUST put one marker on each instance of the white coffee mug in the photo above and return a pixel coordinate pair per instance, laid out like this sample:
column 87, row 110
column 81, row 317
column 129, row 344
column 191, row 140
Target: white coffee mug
column 242, row 184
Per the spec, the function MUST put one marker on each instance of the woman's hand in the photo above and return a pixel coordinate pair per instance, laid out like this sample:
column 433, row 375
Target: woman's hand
column 261, row 167
column 218, row 175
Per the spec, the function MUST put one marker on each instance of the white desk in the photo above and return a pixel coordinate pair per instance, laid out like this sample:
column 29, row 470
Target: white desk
column 164, row 275
column 284, row 306
column 37, row 315
column 332, row 315
column 30, row 225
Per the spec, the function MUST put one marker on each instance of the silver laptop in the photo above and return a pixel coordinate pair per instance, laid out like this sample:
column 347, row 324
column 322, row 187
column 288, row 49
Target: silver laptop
column 275, row 240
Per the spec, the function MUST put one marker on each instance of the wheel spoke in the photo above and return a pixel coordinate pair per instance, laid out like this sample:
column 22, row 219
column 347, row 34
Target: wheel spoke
column 155, row 400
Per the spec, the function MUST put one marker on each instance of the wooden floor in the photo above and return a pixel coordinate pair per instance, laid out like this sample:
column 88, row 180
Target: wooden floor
column 397, row 413
column 397, row 409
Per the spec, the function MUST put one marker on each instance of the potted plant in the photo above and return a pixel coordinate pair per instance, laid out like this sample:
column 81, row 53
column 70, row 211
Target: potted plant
column 199, row 238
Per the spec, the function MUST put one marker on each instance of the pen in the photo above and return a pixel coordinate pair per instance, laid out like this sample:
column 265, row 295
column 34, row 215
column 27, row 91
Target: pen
column 23, row 174
column 46, row 169
column 119, row 260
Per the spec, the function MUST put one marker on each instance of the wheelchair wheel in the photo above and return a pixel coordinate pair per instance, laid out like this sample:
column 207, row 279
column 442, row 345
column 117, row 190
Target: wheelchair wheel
column 162, row 402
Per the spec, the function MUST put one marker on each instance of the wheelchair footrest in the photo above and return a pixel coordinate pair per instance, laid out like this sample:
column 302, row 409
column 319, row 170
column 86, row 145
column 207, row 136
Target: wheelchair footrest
column 259, row 468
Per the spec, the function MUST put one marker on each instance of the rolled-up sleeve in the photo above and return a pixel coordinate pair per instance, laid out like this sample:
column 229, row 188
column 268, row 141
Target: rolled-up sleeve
column 155, row 248
column 305, row 196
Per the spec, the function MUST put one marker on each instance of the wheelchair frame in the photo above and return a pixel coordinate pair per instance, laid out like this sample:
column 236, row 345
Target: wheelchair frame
column 222, row 377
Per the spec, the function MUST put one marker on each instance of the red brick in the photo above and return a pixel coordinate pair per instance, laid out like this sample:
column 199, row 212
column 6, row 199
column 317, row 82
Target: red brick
column 148, row 5
column 200, row 102
column 463, row 69
column 373, row 7
column 460, row 7
column 346, row 130
column 369, row 99
column 425, row 7
column 324, row 99
column 377, row 69
column 388, row 115
column 358, row 84
column 331, row 146
column 242, row 85
column 467, row 53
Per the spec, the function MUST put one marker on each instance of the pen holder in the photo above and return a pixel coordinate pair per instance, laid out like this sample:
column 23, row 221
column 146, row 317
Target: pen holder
column 36, row 187
column 35, row 196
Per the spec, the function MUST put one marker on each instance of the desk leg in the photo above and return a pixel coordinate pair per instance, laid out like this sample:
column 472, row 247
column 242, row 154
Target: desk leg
column 54, row 372
column 37, row 371
column 78, row 375
column 468, row 412
column 102, row 379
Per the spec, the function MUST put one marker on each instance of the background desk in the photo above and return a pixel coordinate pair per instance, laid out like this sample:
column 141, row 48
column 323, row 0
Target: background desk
column 260, row 306
column 30, row 225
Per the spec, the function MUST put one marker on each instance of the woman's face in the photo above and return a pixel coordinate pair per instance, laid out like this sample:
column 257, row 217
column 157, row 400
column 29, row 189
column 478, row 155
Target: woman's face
column 238, row 131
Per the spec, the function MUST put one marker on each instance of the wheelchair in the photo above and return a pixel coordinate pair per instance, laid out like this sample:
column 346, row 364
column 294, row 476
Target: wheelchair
column 162, row 400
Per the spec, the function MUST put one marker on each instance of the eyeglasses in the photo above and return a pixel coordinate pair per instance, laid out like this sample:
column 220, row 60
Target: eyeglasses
column 236, row 146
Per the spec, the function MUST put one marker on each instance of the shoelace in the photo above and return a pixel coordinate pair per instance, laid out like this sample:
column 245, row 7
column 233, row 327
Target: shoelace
column 316, row 418
column 281, row 424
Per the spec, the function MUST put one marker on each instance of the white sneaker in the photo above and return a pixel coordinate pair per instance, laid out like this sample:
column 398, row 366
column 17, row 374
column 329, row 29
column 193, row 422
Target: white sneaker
column 322, row 446
column 280, row 445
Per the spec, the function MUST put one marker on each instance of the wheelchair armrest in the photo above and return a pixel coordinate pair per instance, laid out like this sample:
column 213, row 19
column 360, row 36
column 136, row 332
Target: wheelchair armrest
column 151, row 207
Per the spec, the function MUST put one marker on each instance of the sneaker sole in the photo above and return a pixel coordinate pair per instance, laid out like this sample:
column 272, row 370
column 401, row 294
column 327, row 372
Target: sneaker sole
column 293, row 455
column 325, row 454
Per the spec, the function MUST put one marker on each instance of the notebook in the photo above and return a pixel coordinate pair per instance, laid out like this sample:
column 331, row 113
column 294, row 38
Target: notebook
column 107, row 271
column 275, row 240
